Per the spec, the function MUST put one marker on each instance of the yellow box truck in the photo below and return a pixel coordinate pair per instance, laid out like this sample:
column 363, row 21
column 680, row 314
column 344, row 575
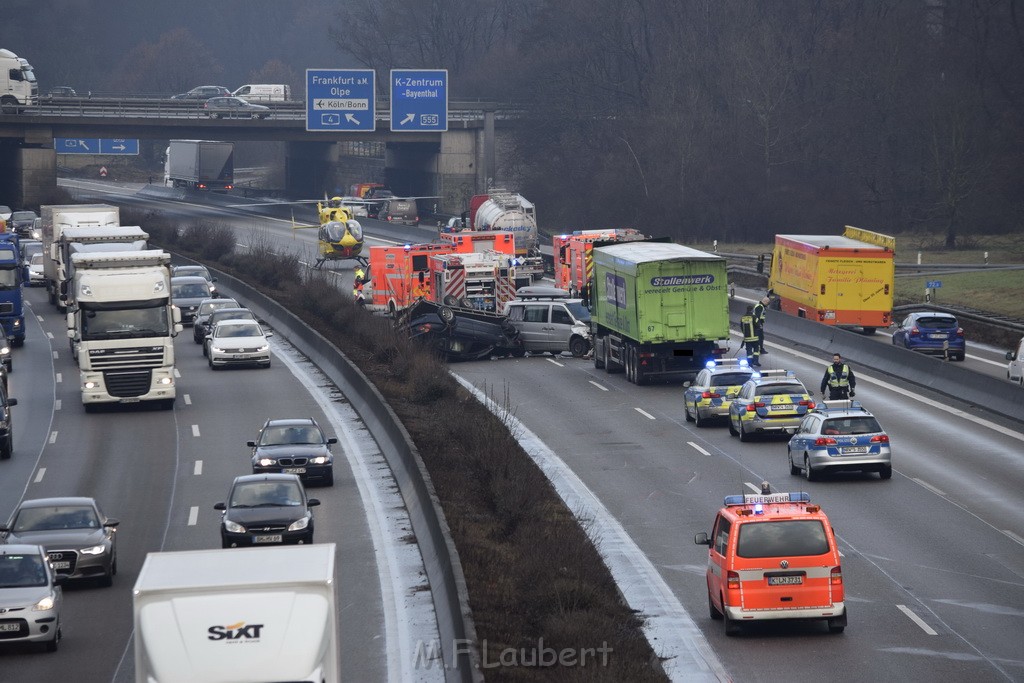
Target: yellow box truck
column 843, row 280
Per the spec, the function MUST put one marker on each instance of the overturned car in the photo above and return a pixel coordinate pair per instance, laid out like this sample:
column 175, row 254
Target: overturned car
column 460, row 333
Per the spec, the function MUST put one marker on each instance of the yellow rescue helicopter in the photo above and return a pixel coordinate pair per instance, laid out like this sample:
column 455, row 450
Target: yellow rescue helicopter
column 339, row 235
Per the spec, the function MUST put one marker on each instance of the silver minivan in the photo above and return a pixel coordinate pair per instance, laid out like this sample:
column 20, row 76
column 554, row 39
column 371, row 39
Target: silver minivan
column 549, row 321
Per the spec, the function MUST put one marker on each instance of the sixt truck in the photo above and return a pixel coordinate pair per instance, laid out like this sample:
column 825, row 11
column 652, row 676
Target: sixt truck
column 657, row 308
column 242, row 614
column 18, row 86
column 846, row 280
column 122, row 327
column 92, row 240
column 13, row 275
column 57, row 218
column 200, row 164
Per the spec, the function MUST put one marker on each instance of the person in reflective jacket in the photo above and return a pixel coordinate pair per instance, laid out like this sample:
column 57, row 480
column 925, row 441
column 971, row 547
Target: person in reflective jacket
column 838, row 379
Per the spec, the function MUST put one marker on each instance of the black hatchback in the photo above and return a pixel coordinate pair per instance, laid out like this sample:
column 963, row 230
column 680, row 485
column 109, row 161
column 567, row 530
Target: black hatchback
column 266, row 509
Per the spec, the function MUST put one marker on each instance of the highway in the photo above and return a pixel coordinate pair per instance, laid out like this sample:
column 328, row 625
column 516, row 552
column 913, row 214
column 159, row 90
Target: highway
column 933, row 559
column 160, row 472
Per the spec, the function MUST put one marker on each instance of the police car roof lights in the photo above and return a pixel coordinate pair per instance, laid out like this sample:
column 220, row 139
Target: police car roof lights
column 844, row 404
column 767, row 498
column 727, row 362
column 776, row 373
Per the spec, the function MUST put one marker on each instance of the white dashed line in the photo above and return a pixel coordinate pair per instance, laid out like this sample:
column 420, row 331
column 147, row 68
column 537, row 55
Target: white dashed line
column 39, row 475
column 645, row 413
column 697, row 448
column 176, row 373
column 193, row 515
column 49, row 335
column 53, row 437
column 188, row 399
column 598, row 385
column 57, row 404
column 58, row 378
column 195, row 430
column 55, row 355
column 40, row 319
column 198, row 469
column 917, row 620
column 552, row 360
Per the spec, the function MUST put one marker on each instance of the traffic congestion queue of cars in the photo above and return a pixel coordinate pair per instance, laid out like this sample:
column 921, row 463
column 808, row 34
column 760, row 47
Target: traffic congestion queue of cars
column 46, row 543
column 774, row 555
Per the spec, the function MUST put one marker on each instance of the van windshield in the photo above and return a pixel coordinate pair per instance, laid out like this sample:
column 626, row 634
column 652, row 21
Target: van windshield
column 782, row 539
column 578, row 310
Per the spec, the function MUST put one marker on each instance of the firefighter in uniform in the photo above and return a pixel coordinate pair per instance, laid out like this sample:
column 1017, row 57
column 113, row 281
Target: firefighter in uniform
column 838, row 379
column 357, row 286
column 759, row 315
column 750, row 340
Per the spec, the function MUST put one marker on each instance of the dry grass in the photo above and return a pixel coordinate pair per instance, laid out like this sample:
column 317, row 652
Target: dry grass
column 531, row 570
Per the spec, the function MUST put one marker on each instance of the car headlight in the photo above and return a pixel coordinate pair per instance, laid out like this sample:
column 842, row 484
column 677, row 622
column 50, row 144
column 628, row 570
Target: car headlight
column 299, row 525
column 320, row 460
column 217, row 349
column 95, row 550
column 266, row 462
column 233, row 528
column 263, row 348
column 45, row 604
column 5, row 350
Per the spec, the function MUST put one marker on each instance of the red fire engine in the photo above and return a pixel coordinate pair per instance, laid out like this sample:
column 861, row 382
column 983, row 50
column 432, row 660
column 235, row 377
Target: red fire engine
column 573, row 264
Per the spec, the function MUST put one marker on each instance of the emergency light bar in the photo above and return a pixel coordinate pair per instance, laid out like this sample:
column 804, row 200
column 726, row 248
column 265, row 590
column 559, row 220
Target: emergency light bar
column 847, row 404
column 765, row 498
column 777, row 373
column 740, row 362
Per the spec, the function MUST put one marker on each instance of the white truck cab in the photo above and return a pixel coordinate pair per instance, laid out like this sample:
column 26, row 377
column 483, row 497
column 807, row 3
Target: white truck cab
column 18, row 86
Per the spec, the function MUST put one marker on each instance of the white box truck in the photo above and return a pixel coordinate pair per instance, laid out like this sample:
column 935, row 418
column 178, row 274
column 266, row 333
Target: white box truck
column 240, row 614
column 122, row 327
column 55, row 219
column 93, row 241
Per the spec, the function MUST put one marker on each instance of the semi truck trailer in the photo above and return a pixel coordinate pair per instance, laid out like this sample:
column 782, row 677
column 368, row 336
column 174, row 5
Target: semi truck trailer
column 55, row 219
column 200, row 164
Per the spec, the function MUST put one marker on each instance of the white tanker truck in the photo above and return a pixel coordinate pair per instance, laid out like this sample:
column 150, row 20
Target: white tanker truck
column 504, row 211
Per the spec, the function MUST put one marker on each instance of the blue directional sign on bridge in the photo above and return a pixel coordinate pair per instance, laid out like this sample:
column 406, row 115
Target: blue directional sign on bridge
column 341, row 100
column 419, row 100
column 96, row 146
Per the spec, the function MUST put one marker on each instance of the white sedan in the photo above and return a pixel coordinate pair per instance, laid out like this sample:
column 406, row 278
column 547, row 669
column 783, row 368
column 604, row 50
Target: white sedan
column 238, row 342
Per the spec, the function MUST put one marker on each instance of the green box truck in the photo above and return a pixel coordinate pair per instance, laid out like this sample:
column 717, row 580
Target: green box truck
column 658, row 309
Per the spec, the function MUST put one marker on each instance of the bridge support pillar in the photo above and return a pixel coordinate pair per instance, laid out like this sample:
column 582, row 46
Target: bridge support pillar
column 309, row 168
column 28, row 175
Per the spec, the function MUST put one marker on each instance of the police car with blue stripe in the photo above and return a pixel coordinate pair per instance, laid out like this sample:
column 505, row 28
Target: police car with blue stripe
column 770, row 402
column 840, row 435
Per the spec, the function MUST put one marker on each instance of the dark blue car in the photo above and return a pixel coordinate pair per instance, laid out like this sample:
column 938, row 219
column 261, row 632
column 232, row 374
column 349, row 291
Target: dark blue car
column 934, row 333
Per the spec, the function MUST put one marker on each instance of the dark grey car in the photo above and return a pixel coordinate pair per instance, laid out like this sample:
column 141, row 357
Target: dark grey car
column 187, row 292
column 21, row 222
column 79, row 539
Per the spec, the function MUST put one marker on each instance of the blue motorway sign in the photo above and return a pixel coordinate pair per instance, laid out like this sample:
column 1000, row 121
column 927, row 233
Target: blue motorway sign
column 96, row 146
column 341, row 99
column 934, row 284
column 419, row 100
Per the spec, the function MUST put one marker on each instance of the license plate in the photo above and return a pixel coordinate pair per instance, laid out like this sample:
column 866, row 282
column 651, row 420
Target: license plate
column 61, row 565
column 936, row 336
column 129, row 400
column 854, row 450
column 274, row 538
column 782, row 406
column 294, row 470
column 239, row 356
column 8, row 628
column 785, row 580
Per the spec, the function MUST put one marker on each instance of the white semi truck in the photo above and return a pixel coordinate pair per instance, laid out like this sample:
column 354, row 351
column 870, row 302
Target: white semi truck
column 92, row 240
column 18, row 86
column 58, row 217
column 241, row 614
column 200, row 164
column 123, row 327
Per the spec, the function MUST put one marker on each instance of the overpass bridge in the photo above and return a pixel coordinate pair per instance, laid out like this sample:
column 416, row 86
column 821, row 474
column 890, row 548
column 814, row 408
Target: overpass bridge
column 453, row 165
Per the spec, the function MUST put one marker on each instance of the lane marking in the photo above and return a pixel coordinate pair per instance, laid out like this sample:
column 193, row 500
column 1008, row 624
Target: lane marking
column 195, row 430
column 55, row 355
column 193, row 515
column 928, row 486
column 176, row 373
column 1014, row 536
column 598, row 385
column 57, row 404
column 188, row 399
column 756, row 488
column 645, row 413
column 58, row 378
column 49, row 335
column 198, row 469
column 39, row 475
column 697, row 448
column 53, row 437
column 40, row 319
column 552, row 360
column 917, row 620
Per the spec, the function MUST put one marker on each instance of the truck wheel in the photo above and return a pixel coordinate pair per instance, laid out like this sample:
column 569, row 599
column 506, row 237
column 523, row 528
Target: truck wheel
column 598, row 357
